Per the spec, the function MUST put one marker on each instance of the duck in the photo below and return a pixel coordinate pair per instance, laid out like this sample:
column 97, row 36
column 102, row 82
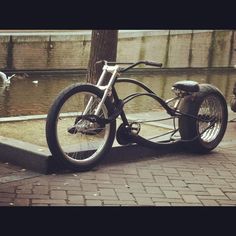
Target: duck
column 5, row 78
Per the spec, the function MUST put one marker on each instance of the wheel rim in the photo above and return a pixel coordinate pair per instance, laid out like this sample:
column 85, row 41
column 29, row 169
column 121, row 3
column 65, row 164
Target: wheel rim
column 84, row 145
column 211, row 108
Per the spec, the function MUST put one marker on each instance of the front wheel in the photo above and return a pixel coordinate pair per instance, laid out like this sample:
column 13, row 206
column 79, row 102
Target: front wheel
column 205, row 133
column 73, row 141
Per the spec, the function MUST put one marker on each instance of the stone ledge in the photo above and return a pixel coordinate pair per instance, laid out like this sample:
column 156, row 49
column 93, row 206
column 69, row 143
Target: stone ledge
column 24, row 154
column 39, row 159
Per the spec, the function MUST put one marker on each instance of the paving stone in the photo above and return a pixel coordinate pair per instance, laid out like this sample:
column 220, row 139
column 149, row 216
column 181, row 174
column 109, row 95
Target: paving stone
column 98, row 197
column 215, row 191
column 199, row 179
column 171, row 194
column 146, row 180
column 25, row 186
column 21, row 202
column 119, row 203
column 33, row 196
column 178, row 183
column 196, row 187
column 75, row 199
column 118, row 181
column 107, row 192
column 170, row 200
column 6, row 199
column 208, row 202
column 133, row 184
column 125, row 196
column 131, row 171
column 190, row 199
column 213, row 197
column 7, row 195
column 170, row 170
column 227, row 202
column 210, row 171
column 186, row 174
column 102, row 176
column 231, row 195
column 197, row 193
column 170, row 175
column 162, row 181
column 160, row 204
column 89, row 187
column 93, row 203
column 145, row 174
column 58, row 194
column 7, row 189
column 136, row 190
column 226, row 189
column 149, row 195
column 40, row 190
column 144, row 201
column 104, row 185
column 174, row 188
column 184, row 204
column 225, row 173
column 47, row 201
column 233, row 185
column 155, row 190
column 220, row 182
column 124, row 189
column 40, row 204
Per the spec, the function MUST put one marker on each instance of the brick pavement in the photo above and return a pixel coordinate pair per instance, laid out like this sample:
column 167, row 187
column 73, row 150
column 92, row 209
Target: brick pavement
column 177, row 179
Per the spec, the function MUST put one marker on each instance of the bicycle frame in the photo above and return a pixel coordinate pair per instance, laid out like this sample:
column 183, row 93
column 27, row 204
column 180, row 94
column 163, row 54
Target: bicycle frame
column 110, row 91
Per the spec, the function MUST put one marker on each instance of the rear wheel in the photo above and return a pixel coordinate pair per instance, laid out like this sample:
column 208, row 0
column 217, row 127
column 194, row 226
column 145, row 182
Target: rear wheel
column 210, row 107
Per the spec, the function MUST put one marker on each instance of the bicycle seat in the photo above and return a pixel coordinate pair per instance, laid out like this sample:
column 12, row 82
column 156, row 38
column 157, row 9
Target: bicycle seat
column 187, row 86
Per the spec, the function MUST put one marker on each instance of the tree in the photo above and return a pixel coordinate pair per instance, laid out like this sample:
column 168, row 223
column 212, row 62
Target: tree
column 103, row 47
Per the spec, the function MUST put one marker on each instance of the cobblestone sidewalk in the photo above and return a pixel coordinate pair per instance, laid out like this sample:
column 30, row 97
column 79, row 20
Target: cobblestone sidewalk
column 178, row 179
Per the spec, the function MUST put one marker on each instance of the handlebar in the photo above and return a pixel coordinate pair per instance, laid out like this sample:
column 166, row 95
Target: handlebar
column 152, row 63
column 132, row 65
column 148, row 63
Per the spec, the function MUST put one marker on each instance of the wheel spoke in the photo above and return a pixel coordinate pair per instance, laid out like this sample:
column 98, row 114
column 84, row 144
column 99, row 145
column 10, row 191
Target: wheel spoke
column 210, row 109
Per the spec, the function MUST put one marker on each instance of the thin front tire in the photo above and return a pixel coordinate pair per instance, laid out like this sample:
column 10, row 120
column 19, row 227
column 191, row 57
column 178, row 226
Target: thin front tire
column 76, row 143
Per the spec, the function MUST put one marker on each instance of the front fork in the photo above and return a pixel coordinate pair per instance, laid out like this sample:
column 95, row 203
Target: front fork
column 107, row 88
column 107, row 92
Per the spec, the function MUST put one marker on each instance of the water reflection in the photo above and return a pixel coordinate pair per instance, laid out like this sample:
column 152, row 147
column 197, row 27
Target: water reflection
column 24, row 97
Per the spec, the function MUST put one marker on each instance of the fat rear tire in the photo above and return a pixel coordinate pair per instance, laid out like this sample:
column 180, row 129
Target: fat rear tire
column 209, row 101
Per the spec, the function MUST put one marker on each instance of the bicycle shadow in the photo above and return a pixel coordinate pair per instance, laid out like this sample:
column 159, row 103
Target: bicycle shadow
column 134, row 153
column 128, row 154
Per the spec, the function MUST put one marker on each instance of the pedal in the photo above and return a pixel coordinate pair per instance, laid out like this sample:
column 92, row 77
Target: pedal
column 72, row 130
column 135, row 128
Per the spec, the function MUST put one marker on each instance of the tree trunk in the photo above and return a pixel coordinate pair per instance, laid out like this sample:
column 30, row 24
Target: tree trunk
column 103, row 47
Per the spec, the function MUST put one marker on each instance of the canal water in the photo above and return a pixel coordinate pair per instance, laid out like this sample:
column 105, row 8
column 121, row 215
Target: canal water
column 33, row 95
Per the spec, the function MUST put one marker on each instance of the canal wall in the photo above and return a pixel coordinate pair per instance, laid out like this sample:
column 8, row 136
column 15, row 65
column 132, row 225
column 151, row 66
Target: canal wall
column 70, row 49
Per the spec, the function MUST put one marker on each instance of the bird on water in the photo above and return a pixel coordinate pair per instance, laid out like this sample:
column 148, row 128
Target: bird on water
column 5, row 78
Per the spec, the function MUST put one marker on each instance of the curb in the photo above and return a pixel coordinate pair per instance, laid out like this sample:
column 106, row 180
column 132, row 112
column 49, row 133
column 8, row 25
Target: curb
column 24, row 154
column 39, row 159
